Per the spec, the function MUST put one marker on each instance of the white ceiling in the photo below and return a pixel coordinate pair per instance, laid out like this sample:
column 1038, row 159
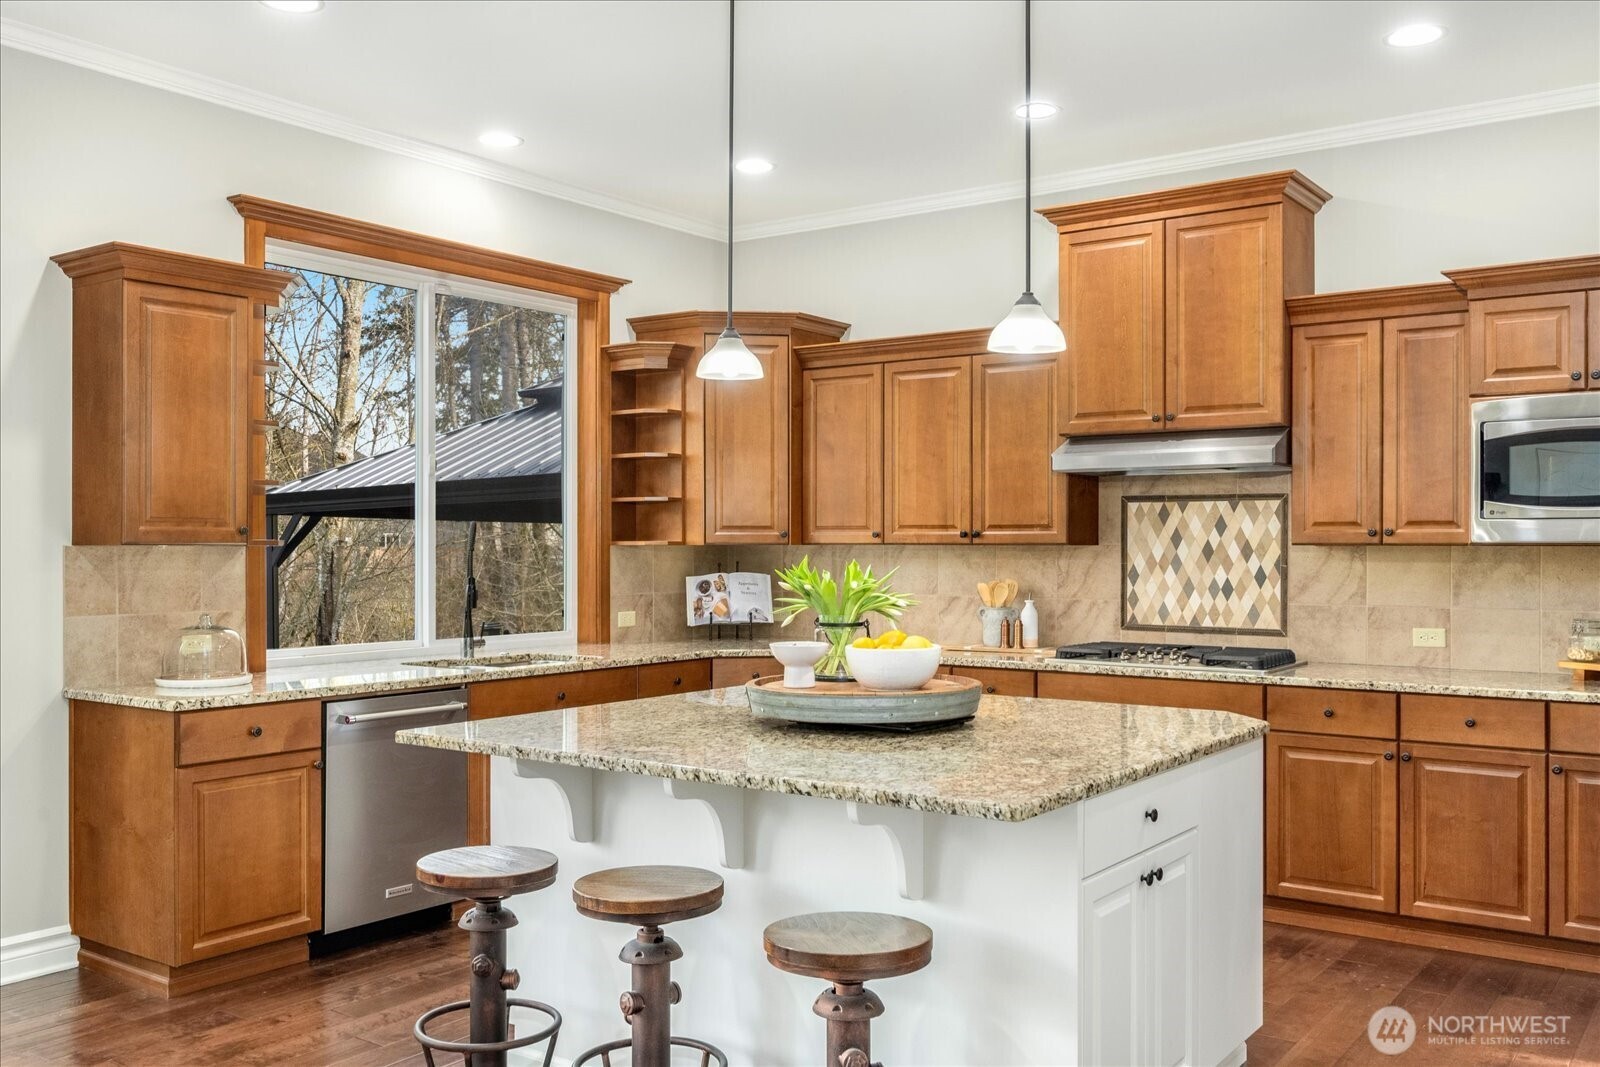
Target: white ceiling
column 869, row 108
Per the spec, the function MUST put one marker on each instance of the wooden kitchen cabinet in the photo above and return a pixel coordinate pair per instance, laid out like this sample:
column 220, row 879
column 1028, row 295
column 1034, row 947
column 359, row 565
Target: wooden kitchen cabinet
column 747, row 446
column 729, row 671
column 1472, row 836
column 1241, row 698
column 966, row 436
column 1529, row 326
column 164, row 354
column 1173, row 304
column 1574, row 783
column 1332, row 819
column 841, row 470
column 1382, row 448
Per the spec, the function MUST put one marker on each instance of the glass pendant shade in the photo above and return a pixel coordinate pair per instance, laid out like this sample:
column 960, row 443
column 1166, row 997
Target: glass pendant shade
column 1027, row 330
column 730, row 361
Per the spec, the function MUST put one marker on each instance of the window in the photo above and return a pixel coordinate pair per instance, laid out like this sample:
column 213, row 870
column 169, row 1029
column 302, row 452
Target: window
column 420, row 452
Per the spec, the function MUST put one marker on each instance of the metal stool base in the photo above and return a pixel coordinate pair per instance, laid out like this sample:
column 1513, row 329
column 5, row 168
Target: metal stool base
column 708, row 1052
column 496, row 1049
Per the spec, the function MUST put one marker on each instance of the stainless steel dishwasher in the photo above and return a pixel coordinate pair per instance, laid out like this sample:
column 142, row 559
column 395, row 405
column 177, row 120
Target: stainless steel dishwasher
column 385, row 805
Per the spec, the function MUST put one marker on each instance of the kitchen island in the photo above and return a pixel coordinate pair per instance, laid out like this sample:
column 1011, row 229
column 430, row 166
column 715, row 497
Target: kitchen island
column 1027, row 839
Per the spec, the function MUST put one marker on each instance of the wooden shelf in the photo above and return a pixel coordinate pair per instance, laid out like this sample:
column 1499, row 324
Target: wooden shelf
column 647, row 455
column 646, row 411
column 645, row 544
column 644, row 499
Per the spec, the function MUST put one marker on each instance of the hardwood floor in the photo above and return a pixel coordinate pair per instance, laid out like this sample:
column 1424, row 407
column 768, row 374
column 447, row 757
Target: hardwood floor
column 356, row 1009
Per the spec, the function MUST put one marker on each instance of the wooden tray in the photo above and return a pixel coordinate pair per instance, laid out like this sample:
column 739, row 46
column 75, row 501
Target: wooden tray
column 1581, row 672
column 944, row 699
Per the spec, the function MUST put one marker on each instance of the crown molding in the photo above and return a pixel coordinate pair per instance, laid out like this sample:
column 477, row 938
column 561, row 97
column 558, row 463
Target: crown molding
column 73, row 50
column 118, row 64
column 1415, row 124
column 1537, row 276
column 1428, row 298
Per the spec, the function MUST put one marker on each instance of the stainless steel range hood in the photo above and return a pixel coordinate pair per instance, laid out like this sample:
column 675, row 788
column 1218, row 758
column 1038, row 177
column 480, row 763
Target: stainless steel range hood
column 1199, row 452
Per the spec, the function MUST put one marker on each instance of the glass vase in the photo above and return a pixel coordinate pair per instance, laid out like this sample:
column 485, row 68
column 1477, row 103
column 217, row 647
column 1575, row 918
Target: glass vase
column 838, row 633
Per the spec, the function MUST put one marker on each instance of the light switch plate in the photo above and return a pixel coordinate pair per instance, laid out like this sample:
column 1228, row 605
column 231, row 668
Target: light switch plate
column 1427, row 637
column 631, row 618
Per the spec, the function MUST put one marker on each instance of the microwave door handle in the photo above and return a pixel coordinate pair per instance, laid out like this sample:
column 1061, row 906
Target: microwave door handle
column 403, row 713
column 1518, row 427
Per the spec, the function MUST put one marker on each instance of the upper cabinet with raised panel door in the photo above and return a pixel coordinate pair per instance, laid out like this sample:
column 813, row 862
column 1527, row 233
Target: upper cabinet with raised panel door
column 958, row 452
column 1381, row 442
column 164, row 347
column 749, row 440
column 1173, row 304
column 1531, row 326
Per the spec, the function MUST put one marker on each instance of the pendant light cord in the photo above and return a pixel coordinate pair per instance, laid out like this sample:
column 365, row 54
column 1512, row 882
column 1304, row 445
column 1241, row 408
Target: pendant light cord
column 730, row 163
column 1027, row 149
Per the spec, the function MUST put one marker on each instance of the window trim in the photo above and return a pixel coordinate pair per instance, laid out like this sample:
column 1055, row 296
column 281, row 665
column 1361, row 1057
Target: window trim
column 266, row 220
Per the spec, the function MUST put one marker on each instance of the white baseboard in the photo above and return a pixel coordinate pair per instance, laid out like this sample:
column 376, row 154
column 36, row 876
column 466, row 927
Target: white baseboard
column 24, row 956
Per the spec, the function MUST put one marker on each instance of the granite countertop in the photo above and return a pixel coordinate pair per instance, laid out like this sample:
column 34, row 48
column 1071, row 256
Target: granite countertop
column 355, row 678
column 1020, row 757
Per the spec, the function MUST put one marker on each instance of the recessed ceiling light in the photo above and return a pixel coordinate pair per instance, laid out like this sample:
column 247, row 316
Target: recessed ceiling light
column 294, row 7
column 1418, row 33
column 1037, row 109
column 498, row 139
column 754, row 165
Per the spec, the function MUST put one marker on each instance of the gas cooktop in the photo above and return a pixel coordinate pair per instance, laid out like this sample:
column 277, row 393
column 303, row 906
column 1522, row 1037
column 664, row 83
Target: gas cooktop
column 1202, row 657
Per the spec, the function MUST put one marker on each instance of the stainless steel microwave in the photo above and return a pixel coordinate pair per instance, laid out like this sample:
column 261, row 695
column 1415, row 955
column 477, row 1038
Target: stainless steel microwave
column 1536, row 468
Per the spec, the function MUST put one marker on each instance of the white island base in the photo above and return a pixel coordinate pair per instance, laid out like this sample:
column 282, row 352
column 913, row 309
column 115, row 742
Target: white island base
column 1122, row 929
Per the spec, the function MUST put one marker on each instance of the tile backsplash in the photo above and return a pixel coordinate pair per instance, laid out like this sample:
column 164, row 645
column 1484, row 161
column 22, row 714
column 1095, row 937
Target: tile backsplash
column 1213, row 564
column 124, row 602
column 1504, row 607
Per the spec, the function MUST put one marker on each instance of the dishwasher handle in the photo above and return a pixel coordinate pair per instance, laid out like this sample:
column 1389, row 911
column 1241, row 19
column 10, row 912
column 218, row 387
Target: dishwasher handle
column 403, row 713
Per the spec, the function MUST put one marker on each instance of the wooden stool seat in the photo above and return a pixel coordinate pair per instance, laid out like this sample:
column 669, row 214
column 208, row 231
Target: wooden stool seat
column 487, row 872
column 647, row 896
column 848, row 946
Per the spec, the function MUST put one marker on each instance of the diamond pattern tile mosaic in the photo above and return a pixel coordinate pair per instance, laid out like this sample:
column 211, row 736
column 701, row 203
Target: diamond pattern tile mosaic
column 1218, row 564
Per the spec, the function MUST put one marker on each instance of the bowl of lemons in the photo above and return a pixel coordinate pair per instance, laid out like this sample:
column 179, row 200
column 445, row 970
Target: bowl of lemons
column 893, row 661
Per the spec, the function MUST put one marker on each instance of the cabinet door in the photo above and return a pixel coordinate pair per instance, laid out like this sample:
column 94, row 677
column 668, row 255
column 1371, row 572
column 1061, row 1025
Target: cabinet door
column 1427, row 452
column 842, row 460
column 1472, row 836
column 249, row 853
column 1226, row 338
column 1111, row 977
column 1016, row 498
column 186, row 437
column 747, row 450
column 1592, row 332
column 927, row 452
column 1336, row 476
column 1331, row 820
column 1528, row 344
column 1575, row 847
column 1112, row 313
column 1170, row 955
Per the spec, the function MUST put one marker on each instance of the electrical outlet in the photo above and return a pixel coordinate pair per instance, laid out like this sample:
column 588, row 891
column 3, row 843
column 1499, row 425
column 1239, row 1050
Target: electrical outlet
column 1427, row 637
column 631, row 618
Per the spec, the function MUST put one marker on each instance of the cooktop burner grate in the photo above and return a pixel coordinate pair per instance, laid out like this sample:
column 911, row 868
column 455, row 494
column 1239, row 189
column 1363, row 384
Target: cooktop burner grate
column 1172, row 655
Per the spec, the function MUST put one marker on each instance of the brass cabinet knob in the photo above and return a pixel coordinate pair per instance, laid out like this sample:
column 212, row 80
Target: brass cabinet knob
column 244, row 531
column 317, row 765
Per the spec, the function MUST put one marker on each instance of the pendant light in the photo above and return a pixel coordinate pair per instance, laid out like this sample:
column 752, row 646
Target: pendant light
column 1027, row 329
column 729, row 360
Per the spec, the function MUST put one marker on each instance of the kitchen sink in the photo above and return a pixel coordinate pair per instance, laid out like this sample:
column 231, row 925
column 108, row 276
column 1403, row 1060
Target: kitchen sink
column 509, row 659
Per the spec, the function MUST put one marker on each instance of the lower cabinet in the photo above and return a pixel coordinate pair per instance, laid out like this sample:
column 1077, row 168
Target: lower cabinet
column 1575, row 846
column 665, row 679
column 737, row 670
column 998, row 681
column 1139, row 940
column 1472, row 836
column 1332, row 819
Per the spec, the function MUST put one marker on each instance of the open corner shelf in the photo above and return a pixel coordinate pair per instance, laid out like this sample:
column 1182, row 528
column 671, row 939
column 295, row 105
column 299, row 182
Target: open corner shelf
column 647, row 455
column 619, row 413
column 644, row 544
column 653, row 405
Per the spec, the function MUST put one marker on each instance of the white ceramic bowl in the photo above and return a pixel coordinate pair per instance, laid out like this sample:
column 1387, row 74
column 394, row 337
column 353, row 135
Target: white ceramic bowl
column 798, row 659
column 893, row 668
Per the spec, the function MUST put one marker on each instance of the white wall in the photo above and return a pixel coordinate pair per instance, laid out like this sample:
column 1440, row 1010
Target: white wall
column 86, row 158
column 1401, row 212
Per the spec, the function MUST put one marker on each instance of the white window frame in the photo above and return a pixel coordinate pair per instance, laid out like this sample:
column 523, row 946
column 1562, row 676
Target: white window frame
column 425, row 642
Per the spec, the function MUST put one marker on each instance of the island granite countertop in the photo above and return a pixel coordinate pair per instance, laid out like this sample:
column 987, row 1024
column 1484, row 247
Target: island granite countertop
column 354, row 678
column 1018, row 758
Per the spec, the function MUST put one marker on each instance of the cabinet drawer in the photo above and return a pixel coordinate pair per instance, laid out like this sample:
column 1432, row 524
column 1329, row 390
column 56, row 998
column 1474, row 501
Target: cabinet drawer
column 731, row 671
column 1347, row 712
column 256, row 730
column 664, row 679
column 1472, row 721
column 1575, row 728
column 1126, row 821
column 999, row 680
column 1241, row 698
column 519, row 696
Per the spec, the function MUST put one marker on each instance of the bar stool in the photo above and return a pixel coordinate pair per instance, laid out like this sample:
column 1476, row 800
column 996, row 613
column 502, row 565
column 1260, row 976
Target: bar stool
column 848, row 948
column 649, row 898
column 486, row 875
